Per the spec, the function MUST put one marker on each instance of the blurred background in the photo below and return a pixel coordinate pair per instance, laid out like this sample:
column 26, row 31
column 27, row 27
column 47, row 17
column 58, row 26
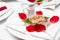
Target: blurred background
column 7, row 0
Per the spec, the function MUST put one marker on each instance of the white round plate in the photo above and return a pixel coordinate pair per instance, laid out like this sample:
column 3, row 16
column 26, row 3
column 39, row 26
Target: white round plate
column 3, row 11
column 5, row 14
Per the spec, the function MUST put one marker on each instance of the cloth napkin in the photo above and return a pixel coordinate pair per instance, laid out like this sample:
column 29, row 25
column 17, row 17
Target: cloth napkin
column 46, row 5
column 51, row 4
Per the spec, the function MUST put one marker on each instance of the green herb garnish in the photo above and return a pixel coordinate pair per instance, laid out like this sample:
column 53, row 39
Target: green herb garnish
column 39, row 0
column 46, row 17
column 27, row 21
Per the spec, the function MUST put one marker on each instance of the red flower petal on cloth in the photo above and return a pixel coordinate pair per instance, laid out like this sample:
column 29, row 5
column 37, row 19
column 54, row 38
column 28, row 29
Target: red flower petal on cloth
column 54, row 19
column 39, row 27
column 22, row 16
column 30, row 28
column 31, row 1
column 38, row 3
column 3, row 8
column 39, row 12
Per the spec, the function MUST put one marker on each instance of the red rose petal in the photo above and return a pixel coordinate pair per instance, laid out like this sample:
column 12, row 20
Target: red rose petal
column 54, row 19
column 30, row 28
column 0, row 9
column 31, row 1
column 39, row 27
column 22, row 16
column 38, row 3
column 39, row 12
column 3, row 8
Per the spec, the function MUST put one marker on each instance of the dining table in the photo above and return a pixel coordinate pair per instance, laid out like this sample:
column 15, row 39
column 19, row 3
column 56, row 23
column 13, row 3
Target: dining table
column 14, row 18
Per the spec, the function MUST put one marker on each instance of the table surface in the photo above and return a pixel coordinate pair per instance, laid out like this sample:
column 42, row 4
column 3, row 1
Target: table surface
column 4, row 34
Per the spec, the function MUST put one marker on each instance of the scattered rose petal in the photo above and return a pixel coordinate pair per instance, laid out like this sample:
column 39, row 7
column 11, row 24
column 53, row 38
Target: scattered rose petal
column 22, row 16
column 54, row 19
column 39, row 27
column 39, row 12
column 30, row 28
column 3, row 8
column 31, row 1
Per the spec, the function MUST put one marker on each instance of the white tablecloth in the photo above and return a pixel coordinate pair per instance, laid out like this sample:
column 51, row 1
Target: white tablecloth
column 4, row 34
